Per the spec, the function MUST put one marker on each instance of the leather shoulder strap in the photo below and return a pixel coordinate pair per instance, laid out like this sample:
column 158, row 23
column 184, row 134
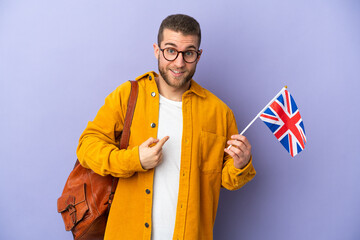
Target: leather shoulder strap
column 125, row 136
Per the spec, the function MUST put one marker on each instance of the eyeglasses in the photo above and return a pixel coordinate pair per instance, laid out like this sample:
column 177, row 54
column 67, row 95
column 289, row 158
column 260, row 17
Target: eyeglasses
column 189, row 56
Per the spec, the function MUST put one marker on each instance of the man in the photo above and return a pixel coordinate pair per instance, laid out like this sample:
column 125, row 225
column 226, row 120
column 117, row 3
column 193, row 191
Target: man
column 171, row 174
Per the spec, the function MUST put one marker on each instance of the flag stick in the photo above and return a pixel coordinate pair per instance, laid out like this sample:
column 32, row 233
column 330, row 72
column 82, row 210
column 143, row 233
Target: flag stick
column 258, row 115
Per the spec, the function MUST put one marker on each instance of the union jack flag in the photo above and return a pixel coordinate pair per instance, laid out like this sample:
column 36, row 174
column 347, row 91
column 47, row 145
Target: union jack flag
column 284, row 120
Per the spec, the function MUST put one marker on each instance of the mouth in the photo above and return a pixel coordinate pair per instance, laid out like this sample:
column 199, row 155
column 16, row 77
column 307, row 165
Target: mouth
column 176, row 73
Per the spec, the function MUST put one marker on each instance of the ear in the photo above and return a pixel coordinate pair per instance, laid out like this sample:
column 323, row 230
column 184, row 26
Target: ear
column 156, row 50
column 201, row 51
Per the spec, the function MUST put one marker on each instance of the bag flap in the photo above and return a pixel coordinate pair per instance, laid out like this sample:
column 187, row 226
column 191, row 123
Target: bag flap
column 73, row 206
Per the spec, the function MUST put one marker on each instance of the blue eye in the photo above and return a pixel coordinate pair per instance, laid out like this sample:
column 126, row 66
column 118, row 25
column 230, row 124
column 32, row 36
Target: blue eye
column 189, row 53
column 171, row 51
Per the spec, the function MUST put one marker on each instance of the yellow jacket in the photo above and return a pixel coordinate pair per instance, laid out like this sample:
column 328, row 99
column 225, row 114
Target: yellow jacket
column 207, row 124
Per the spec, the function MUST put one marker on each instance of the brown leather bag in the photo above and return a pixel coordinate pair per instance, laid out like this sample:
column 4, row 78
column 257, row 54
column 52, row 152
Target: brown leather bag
column 86, row 199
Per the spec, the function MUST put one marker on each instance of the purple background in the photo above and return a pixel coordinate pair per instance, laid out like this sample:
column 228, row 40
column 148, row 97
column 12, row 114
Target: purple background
column 59, row 60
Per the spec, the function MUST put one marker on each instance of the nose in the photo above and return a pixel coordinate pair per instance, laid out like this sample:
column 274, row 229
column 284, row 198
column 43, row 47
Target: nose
column 179, row 61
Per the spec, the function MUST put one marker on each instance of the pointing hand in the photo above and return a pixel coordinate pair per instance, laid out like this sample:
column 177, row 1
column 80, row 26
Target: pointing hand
column 150, row 152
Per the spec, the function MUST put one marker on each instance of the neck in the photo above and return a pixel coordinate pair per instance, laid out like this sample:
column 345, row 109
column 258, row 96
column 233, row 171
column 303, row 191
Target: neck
column 169, row 92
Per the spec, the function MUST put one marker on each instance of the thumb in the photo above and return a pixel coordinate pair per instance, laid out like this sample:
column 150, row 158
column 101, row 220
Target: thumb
column 149, row 142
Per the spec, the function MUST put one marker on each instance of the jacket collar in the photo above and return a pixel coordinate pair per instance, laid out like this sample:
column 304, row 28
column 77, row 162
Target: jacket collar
column 197, row 89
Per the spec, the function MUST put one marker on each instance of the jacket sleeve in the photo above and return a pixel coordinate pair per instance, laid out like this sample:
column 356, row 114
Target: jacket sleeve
column 232, row 177
column 98, row 147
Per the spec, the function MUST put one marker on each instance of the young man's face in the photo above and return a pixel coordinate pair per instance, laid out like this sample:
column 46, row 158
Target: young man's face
column 176, row 73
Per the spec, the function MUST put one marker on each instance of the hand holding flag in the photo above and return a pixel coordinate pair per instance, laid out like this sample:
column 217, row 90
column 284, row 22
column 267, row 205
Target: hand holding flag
column 241, row 150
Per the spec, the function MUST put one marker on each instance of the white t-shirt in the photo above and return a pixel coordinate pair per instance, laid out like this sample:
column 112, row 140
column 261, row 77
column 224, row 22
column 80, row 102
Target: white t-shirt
column 166, row 178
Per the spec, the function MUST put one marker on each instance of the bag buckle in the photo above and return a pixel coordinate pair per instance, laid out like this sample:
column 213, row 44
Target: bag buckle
column 72, row 212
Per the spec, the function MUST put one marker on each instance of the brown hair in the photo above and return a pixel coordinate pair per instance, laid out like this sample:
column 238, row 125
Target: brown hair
column 180, row 23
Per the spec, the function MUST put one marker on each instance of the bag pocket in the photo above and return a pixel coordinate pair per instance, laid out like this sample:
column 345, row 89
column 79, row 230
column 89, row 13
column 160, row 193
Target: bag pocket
column 73, row 209
column 212, row 152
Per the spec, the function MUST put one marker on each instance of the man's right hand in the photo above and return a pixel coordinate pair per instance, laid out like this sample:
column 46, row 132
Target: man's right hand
column 150, row 152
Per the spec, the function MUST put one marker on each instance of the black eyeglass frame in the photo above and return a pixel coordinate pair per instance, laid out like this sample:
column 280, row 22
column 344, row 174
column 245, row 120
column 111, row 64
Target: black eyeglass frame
column 198, row 53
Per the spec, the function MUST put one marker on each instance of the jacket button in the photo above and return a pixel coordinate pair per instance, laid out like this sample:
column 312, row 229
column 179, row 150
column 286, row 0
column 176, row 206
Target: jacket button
column 147, row 191
column 153, row 94
column 153, row 125
column 150, row 78
column 147, row 225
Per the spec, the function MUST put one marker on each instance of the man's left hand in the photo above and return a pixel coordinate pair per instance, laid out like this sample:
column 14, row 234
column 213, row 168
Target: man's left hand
column 240, row 150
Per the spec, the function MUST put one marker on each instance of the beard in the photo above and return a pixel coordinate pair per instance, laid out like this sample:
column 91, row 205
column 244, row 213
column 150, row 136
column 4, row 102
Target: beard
column 179, row 81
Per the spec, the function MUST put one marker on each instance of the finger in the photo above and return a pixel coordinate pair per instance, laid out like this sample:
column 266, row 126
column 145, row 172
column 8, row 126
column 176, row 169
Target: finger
column 238, row 152
column 237, row 145
column 161, row 143
column 231, row 153
column 149, row 141
column 241, row 138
